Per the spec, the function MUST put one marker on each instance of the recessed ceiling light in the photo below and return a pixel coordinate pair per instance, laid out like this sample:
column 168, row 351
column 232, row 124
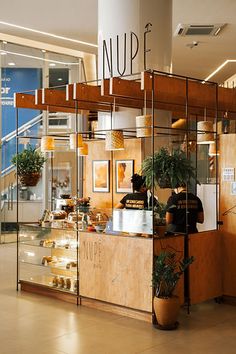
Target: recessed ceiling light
column 52, row 64
column 43, row 50
column 219, row 68
column 60, row 79
column 40, row 58
column 11, row 64
column 49, row 34
column 4, row 42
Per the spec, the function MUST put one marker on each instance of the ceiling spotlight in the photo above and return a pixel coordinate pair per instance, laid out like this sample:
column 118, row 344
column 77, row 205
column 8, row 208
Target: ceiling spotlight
column 192, row 44
column 43, row 50
column 52, row 64
column 4, row 42
column 11, row 64
column 60, row 79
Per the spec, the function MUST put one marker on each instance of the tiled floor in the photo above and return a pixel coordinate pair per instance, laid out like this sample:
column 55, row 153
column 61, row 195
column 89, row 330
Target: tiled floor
column 31, row 324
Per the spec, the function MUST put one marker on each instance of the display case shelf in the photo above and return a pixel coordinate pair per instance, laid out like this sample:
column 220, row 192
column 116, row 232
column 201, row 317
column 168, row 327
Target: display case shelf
column 48, row 259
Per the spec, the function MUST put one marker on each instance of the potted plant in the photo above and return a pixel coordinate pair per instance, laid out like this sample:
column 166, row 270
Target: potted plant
column 168, row 170
column 167, row 271
column 29, row 164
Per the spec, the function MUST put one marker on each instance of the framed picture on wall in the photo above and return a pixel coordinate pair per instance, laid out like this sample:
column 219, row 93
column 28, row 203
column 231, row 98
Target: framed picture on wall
column 101, row 176
column 124, row 172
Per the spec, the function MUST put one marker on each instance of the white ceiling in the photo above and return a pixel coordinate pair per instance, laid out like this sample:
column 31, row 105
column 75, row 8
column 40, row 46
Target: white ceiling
column 78, row 19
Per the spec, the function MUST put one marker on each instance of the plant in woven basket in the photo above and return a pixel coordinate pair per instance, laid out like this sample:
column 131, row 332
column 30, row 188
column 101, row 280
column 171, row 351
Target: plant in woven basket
column 29, row 164
column 168, row 170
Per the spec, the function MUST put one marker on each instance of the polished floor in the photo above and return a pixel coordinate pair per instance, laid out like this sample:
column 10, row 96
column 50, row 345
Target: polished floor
column 32, row 324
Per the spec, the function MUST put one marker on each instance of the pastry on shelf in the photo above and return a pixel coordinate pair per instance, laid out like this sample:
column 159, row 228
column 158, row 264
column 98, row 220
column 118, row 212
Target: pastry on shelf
column 61, row 282
column 47, row 243
column 55, row 281
column 58, row 215
column 68, row 283
column 48, row 260
column 71, row 264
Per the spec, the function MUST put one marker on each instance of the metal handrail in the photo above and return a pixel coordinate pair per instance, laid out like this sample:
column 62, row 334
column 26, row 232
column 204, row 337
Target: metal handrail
column 23, row 128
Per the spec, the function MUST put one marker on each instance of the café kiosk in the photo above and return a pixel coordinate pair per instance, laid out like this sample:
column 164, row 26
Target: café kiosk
column 113, row 271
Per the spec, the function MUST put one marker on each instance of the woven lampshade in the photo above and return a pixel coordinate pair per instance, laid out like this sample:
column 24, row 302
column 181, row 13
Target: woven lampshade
column 114, row 140
column 212, row 149
column 47, row 143
column 73, row 141
column 205, row 133
column 83, row 151
column 144, row 126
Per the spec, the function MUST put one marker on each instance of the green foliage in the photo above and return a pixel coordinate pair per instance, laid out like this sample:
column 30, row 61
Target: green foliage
column 29, row 161
column 166, row 273
column 169, row 170
column 160, row 209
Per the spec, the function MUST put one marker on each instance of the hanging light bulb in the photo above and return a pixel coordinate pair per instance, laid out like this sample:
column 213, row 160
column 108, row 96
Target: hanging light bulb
column 205, row 130
column 144, row 123
column 144, row 126
column 212, row 150
column 47, row 143
column 114, row 140
column 73, row 145
column 83, row 151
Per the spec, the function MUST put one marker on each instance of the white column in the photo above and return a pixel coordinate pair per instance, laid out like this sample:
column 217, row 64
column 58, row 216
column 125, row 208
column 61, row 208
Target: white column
column 119, row 17
column 123, row 16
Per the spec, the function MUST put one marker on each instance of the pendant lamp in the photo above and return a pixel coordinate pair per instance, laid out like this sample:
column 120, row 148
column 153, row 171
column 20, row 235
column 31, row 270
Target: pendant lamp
column 144, row 123
column 114, row 140
column 144, row 126
column 212, row 150
column 73, row 145
column 205, row 134
column 47, row 143
column 83, row 151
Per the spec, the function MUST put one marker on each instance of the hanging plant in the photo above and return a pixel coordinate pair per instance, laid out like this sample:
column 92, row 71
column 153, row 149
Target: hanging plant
column 168, row 170
column 29, row 164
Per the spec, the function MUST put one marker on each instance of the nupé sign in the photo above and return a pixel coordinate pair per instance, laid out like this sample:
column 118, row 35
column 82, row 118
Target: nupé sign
column 113, row 63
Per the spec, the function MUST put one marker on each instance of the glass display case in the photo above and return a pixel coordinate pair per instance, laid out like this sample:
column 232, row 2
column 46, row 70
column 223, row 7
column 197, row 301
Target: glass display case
column 49, row 257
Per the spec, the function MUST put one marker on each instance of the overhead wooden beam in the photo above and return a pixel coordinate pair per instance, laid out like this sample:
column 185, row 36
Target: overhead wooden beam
column 84, row 92
column 56, row 97
column 172, row 90
column 125, row 88
column 170, row 93
column 28, row 101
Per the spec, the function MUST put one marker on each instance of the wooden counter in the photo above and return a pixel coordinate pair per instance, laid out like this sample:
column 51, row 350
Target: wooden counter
column 117, row 270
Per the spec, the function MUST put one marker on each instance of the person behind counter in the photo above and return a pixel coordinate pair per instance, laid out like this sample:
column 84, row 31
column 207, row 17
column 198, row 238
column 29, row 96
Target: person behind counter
column 141, row 198
column 177, row 205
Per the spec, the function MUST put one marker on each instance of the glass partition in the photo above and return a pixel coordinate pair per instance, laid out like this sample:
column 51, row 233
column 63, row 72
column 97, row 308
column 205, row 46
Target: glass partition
column 25, row 69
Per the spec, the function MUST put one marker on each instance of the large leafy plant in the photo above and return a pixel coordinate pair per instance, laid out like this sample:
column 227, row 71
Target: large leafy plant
column 167, row 170
column 167, row 272
column 29, row 161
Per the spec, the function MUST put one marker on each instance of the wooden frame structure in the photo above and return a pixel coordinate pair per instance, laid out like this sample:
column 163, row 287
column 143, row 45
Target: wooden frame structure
column 185, row 97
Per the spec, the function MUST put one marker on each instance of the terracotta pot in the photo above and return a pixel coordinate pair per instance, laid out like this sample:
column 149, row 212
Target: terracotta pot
column 166, row 310
column 30, row 179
